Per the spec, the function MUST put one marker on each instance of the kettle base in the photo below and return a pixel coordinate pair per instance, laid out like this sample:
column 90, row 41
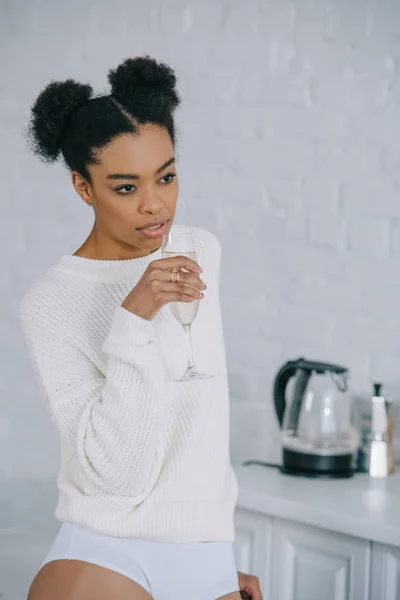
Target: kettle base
column 317, row 475
column 317, row 465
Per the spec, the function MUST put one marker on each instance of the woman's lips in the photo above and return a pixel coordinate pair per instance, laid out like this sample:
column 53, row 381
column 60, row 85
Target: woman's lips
column 155, row 232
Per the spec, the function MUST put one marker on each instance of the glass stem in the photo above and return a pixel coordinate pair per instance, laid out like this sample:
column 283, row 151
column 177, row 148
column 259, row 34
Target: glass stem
column 188, row 332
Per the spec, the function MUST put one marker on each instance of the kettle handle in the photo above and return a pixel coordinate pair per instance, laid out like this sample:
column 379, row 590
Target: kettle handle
column 282, row 378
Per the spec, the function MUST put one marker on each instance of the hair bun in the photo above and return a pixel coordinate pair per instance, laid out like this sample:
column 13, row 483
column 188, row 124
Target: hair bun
column 143, row 72
column 53, row 108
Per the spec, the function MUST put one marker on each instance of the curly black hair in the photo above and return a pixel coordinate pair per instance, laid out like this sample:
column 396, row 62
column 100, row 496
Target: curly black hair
column 67, row 120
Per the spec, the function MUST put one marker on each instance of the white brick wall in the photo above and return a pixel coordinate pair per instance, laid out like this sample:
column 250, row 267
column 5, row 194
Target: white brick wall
column 289, row 151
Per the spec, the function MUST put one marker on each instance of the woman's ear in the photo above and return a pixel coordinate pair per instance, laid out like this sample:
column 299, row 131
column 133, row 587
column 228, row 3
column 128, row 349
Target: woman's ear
column 82, row 187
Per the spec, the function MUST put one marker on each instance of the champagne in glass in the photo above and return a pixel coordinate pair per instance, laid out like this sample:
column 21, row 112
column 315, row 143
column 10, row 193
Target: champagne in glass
column 184, row 312
column 179, row 242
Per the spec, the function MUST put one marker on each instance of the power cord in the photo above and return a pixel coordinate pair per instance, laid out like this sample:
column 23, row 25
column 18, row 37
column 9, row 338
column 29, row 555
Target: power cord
column 260, row 462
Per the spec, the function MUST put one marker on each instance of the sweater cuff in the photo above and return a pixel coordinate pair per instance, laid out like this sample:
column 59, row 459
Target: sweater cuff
column 127, row 329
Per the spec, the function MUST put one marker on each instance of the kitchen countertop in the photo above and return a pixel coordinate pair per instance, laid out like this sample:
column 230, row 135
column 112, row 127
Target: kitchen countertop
column 360, row 506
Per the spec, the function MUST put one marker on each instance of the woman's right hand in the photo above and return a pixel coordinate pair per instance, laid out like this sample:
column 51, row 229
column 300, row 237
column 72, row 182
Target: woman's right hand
column 155, row 287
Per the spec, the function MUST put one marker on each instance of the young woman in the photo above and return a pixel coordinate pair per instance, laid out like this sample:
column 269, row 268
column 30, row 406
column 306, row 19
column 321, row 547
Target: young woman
column 147, row 492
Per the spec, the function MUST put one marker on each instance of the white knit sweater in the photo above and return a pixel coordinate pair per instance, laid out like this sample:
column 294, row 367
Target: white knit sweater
column 142, row 456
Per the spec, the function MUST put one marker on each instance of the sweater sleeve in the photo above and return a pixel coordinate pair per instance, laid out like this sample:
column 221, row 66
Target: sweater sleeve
column 110, row 422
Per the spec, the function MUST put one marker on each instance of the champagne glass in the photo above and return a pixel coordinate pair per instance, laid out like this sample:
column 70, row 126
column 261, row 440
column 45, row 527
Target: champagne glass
column 179, row 242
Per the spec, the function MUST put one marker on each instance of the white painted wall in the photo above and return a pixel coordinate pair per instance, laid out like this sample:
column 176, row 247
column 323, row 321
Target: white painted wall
column 289, row 151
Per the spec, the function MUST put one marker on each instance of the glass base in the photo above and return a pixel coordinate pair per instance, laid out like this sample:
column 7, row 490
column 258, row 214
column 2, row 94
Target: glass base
column 193, row 373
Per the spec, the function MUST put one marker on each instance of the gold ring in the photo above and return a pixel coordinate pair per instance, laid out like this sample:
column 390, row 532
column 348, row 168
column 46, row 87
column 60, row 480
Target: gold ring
column 174, row 272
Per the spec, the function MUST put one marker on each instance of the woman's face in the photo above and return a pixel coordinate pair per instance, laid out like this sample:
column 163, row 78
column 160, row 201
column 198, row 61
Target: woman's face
column 134, row 184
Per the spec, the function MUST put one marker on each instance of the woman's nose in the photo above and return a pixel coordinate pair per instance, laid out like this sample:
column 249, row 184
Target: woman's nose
column 150, row 202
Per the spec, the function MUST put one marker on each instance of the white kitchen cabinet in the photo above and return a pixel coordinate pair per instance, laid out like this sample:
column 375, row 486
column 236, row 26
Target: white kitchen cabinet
column 296, row 562
column 311, row 564
column 385, row 581
column 252, row 546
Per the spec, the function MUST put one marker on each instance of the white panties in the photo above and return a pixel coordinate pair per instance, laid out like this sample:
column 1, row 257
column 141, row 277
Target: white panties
column 168, row 571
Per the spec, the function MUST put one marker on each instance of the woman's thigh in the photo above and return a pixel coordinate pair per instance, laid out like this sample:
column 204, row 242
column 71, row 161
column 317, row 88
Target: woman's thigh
column 78, row 580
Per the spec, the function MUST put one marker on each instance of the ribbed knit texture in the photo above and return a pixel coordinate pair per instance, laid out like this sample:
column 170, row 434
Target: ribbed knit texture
column 142, row 455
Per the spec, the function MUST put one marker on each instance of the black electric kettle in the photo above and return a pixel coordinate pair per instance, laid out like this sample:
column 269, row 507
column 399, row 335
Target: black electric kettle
column 317, row 419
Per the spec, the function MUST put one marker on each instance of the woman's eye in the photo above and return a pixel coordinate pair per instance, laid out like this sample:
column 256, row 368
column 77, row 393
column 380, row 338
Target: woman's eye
column 125, row 189
column 169, row 177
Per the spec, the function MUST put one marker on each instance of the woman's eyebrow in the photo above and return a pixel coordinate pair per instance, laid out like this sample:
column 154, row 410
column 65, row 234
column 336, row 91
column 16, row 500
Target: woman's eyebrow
column 165, row 165
column 134, row 176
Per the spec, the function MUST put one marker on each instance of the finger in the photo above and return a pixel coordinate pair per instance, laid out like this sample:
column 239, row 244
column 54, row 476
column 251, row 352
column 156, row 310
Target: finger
column 178, row 262
column 182, row 288
column 189, row 279
column 256, row 591
column 177, row 296
column 180, row 277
